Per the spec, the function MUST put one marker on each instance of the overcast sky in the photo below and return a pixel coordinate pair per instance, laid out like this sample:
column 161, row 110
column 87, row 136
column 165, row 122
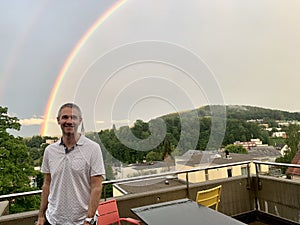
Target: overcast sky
column 148, row 58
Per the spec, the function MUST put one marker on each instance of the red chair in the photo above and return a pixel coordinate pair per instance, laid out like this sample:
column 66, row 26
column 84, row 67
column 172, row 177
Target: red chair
column 108, row 213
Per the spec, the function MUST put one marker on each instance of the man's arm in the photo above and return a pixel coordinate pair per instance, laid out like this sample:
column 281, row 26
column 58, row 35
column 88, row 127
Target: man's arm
column 44, row 200
column 96, row 188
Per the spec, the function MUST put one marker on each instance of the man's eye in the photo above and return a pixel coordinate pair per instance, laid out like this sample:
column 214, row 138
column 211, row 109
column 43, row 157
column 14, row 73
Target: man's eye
column 65, row 117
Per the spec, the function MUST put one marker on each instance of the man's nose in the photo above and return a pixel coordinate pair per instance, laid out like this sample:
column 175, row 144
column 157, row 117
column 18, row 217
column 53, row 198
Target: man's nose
column 69, row 120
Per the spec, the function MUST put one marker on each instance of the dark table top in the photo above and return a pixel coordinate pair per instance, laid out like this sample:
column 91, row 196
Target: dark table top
column 182, row 212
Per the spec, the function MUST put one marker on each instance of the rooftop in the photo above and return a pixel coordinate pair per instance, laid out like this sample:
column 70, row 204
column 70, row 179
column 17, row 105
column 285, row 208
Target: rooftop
column 194, row 157
column 149, row 185
column 296, row 160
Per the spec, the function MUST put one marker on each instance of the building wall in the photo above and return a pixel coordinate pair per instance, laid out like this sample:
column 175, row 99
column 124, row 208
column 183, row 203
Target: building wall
column 209, row 174
column 194, row 177
column 296, row 178
column 212, row 174
column 4, row 208
column 131, row 171
column 217, row 173
column 117, row 192
column 236, row 170
column 261, row 169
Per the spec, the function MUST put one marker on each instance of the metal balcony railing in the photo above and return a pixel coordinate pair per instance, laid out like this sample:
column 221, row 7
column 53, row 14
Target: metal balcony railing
column 144, row 177
column 239, row 193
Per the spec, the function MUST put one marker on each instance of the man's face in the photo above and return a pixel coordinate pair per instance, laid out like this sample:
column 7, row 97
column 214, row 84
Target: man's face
column 69, row 120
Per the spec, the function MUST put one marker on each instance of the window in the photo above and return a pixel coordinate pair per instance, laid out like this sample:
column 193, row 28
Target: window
column 206, row 175
column 259, row 168
column 229, row 172
column 244, row 170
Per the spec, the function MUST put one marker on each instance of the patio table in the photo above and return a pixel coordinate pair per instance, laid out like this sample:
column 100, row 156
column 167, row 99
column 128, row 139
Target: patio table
column 182, row 212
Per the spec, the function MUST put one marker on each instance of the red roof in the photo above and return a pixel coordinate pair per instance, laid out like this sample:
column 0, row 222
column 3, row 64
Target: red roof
column 296, row 160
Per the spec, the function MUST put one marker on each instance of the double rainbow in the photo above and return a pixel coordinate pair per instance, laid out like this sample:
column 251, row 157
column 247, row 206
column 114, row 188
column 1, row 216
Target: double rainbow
column 70, row 59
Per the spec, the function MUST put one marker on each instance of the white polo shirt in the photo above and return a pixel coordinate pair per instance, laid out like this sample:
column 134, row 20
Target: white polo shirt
column 71, row 174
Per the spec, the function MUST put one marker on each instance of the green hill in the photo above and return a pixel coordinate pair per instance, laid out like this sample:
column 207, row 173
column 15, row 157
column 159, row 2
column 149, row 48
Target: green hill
column 242, row 112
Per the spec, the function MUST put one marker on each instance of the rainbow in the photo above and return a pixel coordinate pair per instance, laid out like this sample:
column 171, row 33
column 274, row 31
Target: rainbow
column 12, row 59
column 70, row 59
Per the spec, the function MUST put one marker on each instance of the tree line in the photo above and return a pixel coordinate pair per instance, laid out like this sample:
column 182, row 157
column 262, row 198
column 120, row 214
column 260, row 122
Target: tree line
column 176, row 140
column 16, row 165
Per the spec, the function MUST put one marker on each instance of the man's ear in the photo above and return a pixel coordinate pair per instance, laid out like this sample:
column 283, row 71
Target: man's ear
column 57, row 118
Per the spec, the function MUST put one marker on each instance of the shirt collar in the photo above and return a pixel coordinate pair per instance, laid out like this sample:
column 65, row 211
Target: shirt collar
column 79, row 143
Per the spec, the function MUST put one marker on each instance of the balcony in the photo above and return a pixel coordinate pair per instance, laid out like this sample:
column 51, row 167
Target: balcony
column 250, row 198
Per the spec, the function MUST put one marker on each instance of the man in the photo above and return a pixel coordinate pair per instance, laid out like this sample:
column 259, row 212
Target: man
column 73, row 169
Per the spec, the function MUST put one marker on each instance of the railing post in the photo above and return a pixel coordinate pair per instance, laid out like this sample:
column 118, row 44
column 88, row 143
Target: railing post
column 251, row 188
column 248, row 177
column 104, row 192
column 258, row 182
column 187, row 185
column 257, row 186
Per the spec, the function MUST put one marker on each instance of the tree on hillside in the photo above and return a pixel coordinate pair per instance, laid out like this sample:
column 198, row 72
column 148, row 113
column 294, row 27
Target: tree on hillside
column 34, row 142
column 240, row 130
column 236, row 149
column 293, row 137
column 167, row 147
column 292, row 140
column 140, row 129
column 153, row 156
column 15, row 168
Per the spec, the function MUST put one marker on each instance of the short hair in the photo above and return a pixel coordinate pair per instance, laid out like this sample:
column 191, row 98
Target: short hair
column 69, row 105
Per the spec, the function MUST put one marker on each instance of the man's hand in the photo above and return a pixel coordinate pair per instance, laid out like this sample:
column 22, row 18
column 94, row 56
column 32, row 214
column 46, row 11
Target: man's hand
column 41, row 221
column 86, row 223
